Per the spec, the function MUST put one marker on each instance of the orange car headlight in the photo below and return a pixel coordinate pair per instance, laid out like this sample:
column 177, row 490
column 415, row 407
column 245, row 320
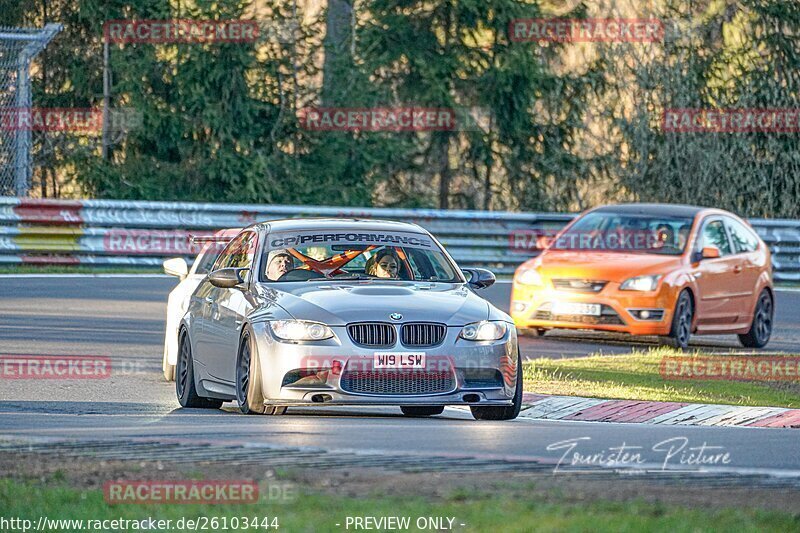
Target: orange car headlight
column 528, row 276
column 640, row 283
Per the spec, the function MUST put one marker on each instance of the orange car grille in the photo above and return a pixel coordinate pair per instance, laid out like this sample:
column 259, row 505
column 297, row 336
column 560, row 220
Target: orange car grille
column 579, row 285
column 607, row 317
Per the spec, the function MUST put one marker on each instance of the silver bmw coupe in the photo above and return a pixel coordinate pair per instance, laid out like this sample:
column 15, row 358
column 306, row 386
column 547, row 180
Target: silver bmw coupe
column 314, row 312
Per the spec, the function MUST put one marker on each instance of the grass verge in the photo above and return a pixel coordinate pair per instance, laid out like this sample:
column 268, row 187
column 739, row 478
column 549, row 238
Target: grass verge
column 314, row 511
column 636, row 376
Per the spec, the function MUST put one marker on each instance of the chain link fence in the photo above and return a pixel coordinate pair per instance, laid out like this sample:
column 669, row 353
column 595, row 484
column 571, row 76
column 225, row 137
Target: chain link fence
column 18, row 46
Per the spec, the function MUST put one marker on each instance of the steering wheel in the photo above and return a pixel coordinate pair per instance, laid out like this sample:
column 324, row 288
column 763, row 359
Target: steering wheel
column 300, row 274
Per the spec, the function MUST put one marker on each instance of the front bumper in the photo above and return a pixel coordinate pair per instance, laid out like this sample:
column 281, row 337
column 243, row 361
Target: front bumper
column 530, row 308
column 336, row 372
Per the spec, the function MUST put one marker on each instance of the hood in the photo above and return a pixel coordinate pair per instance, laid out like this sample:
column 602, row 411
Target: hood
column 602, row 266
column 339, row 303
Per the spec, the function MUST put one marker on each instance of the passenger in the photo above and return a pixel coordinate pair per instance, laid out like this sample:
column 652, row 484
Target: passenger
column 279, row 262
column 384, row 264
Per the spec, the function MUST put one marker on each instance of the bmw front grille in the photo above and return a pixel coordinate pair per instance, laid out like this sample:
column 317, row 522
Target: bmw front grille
column 372, row 334
column 422, row 334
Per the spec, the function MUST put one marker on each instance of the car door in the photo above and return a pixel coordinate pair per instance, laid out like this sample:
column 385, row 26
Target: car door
column 716, row 301
column 747, row 270
column 206, row 299
column 230, row 307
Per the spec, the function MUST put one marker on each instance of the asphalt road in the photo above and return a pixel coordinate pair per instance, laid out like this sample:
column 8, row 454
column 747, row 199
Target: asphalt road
column 123, row 318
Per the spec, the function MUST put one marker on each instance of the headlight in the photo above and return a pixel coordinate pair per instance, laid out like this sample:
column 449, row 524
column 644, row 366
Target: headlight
column 300, row 330
column 640, row 283
column 529, row 277
column 484, row 331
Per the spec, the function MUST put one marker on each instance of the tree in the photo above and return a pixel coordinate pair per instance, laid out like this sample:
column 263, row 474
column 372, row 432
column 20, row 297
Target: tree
column 726, row 55
column 457, row 54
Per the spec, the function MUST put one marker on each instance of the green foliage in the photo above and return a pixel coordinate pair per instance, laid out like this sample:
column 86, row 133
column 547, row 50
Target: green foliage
column 730, row 55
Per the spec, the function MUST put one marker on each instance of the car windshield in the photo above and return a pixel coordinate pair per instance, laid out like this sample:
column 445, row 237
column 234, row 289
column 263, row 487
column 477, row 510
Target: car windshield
column 349, row 255
column 626, row 233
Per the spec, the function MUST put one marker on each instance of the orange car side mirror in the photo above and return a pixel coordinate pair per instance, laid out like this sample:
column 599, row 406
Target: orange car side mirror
column 710, row 252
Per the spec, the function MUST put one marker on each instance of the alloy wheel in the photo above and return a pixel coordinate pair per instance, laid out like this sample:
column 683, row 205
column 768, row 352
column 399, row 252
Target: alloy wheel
column 244, row 372
column 684, row 320
column 183, row 367
column 764, row 318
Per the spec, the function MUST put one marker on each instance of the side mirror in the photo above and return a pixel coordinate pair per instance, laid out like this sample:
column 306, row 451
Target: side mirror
column 478, row 278
column 176, row 267
column 710, row 252
column 228, row 278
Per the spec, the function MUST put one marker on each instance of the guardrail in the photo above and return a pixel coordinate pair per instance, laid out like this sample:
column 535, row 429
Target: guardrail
column 134, row 233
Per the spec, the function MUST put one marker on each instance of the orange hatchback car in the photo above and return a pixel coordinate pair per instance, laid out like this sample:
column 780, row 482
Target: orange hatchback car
column 650, row 269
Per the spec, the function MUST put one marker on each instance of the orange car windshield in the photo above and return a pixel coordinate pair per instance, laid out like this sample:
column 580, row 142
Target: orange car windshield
column 626, row 233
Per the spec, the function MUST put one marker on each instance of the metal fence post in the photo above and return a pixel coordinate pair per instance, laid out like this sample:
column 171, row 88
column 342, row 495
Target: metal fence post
column 18, row 47
column 22, row 157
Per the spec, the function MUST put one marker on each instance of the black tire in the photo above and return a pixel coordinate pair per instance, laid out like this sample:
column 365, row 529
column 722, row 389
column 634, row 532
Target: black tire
column 249, row 394
column 422, row 410
column 681, row 330
column 761, row 327
column 533, row 332
column 498, row 412
column 185, row 387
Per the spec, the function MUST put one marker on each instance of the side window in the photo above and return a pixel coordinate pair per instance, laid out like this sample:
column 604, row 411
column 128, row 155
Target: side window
column 239, row 252
column 205, row 261
column 744, row 240
column 243, row 255
column 714, row 235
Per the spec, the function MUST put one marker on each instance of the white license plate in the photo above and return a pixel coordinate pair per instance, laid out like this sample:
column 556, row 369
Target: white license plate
column 575, row 308
column 398, row 360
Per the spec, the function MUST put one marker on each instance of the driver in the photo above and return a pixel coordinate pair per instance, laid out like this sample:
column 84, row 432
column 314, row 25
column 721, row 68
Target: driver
column 665, row 235
column 279, row 262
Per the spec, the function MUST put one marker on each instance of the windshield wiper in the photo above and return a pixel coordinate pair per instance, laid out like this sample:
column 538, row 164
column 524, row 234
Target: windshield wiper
column 343, row 278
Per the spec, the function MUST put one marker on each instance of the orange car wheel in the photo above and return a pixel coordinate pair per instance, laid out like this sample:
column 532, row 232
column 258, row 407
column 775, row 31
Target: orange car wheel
column 761, row 327
column 681, row 330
